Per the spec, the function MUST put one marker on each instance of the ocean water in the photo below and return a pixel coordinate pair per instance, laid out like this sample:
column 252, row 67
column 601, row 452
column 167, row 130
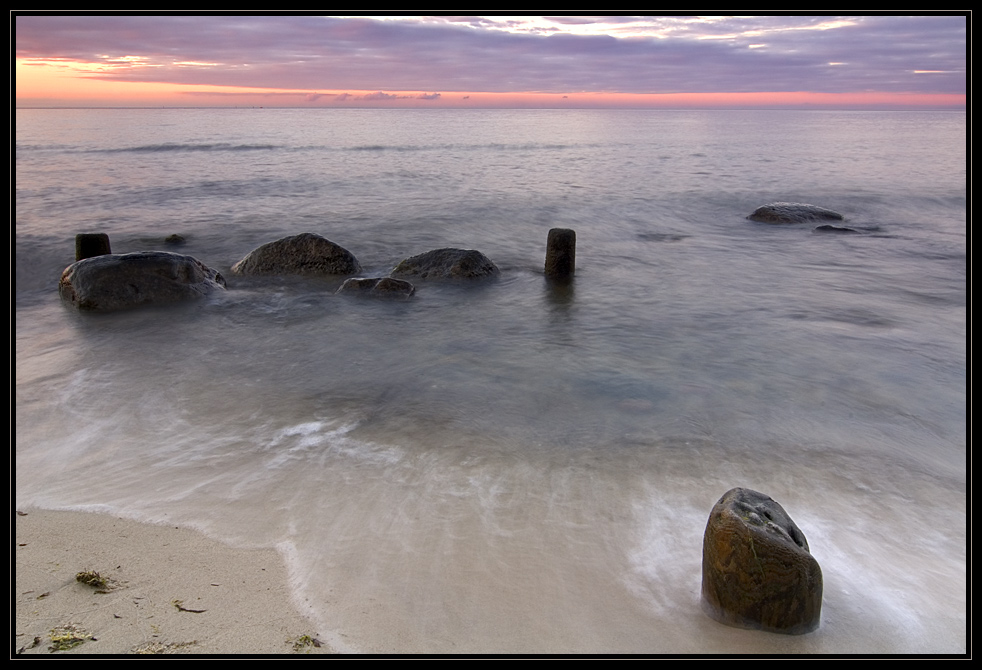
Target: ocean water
column 514, row 466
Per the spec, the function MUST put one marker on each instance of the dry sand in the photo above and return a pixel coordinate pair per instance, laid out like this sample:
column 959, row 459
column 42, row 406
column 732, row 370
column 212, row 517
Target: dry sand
column 170, row 590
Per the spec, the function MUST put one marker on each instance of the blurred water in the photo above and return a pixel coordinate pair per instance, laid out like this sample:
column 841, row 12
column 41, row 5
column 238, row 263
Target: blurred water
column 515, row 466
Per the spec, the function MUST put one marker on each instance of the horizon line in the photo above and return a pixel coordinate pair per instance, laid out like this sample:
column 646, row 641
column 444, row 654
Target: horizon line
column 807, row 107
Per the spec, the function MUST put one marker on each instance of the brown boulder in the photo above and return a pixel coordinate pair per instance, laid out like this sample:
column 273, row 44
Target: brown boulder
column 757, row 571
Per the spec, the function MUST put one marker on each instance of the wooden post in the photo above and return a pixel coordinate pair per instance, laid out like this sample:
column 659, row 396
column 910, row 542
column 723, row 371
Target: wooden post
column 561, row 253
column 88, row 245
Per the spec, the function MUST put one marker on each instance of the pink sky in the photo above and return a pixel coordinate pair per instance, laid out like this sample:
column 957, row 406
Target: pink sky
column 554, row 62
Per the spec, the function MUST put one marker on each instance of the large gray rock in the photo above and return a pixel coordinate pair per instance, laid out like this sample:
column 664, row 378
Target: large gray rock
column 792, row 212
column 378, row 287
column 120, row 281
column 447, row 264
column 303, row 254
column 757, row 571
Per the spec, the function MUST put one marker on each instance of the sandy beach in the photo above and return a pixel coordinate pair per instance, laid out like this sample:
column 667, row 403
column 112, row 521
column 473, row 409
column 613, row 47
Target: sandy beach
column 167, row 591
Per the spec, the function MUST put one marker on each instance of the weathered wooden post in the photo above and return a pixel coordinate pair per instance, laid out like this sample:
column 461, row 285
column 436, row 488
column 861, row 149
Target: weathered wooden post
column 560, row 253
column 88, row 245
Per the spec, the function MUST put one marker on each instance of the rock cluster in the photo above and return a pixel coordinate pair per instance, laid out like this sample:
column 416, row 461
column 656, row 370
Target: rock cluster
column 118, row 281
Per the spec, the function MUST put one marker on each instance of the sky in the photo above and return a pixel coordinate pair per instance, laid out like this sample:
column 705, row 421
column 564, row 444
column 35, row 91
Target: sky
column 872, row 61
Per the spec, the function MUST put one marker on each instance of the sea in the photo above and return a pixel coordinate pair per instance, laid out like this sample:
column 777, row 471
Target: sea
column 518, row 465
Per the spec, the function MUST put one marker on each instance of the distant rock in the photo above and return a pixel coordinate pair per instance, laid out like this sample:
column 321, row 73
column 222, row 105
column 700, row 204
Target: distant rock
column 757, row 571
column 447, row 264
column 792, row 212
column 379, row 287
column 303, row 254
column 174, row 239
column 121, row 281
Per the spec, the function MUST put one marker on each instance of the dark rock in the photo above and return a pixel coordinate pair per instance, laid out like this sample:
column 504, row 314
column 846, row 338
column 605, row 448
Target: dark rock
column 120, row 281
column 757, row 571
column 174, row 239
column 560, row 253
column 447, row 264
column 88, row 245
column 792, row 212
column 834, row 229
column 381, row 287
column 303, row 254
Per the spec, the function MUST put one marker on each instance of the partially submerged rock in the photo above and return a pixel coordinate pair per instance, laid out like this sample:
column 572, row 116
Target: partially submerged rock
column 120, row 281
column 828, row 228
column 380, row 287
column 792, row 212
column 448, row 264
column 757, row 571
column 303, row 254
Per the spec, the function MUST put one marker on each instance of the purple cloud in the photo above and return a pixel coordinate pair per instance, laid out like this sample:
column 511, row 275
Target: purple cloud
column 675, row 55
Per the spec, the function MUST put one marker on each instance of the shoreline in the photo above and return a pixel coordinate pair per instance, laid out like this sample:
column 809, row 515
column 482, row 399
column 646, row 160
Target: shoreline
column 170, row 590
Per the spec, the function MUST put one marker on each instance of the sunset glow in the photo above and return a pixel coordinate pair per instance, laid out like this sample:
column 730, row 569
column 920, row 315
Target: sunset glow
column 554, row 62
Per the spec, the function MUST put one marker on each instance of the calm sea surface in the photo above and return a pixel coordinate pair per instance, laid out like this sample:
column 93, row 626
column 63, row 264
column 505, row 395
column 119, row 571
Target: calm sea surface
column 513, row 466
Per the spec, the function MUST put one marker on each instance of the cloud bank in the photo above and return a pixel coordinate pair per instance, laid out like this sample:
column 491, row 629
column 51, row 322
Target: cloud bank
column 549, row 55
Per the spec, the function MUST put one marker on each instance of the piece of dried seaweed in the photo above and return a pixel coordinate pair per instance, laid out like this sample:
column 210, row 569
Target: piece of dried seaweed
column 92, row 578
column 304, row 642
column 179, row 604
column 67, row 637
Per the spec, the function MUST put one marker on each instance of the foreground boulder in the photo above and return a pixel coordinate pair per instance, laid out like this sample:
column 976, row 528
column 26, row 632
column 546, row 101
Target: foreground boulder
column 121, row 281
column 757, row 571
column 378, row 287
column 447, row 264
column 303, row 254
column 792, row 212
